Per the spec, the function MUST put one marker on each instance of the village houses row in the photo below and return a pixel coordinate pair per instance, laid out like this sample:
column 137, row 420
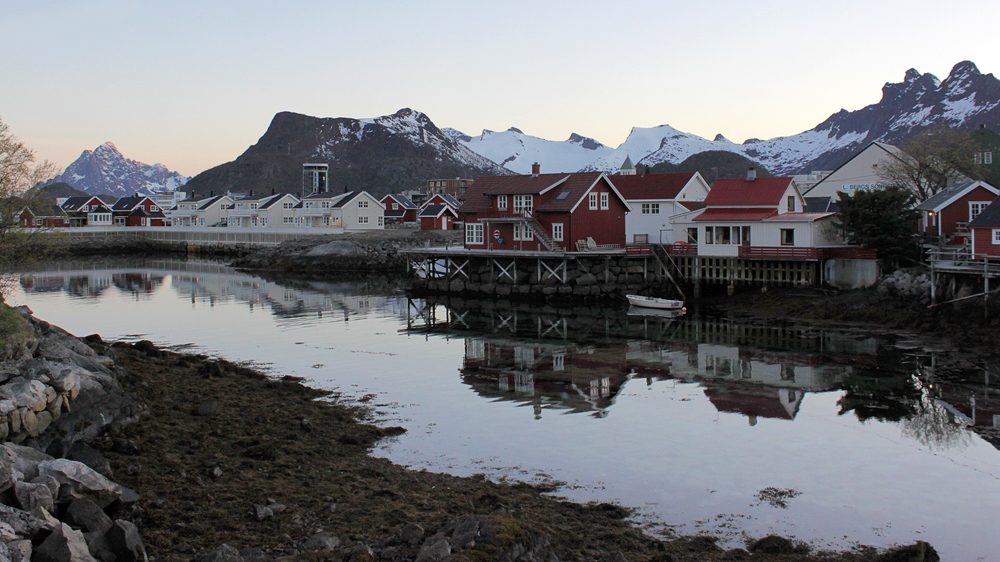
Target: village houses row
column 784, row 217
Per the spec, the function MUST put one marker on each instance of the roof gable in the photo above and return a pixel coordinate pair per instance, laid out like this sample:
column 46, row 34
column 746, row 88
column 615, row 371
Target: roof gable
column 949, row 195
column 989, row 217
column 652, row 186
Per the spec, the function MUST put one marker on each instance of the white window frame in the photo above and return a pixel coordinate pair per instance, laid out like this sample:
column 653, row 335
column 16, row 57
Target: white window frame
column 977, row 158
column 523, row 203
column 605, row 201
column 976, row 207
column 381, row 220
column 593, row 201
column 362, row 204
column 996, row 236
column 362, row 220
column 791, row 204
column 474, row 233
column 395, row 206
column 502, row 202
column 988, row 157
column 709, row 235
column 781, row 235
column 557, row 231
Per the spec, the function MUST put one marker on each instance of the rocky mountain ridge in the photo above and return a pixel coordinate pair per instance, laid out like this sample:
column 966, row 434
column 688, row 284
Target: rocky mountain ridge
column 965, row 99
column 382, row 155
column 106, row 170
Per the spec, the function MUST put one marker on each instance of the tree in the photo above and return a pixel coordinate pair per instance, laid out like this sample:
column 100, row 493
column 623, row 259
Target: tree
column 933, row 158
column 883, row 219
column 18, row 173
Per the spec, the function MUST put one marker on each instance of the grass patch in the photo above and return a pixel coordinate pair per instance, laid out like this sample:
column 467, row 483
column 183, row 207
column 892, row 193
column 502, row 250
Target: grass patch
column 15, row 331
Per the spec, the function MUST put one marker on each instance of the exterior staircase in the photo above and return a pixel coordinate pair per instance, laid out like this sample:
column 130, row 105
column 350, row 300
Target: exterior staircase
column 541, row 235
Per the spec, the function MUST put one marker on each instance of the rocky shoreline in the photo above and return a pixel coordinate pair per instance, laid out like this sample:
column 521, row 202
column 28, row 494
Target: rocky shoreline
column 228, row 464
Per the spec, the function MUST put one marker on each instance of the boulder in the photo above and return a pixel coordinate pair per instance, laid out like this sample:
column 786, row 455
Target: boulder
column 63, row 545
column 77, row 480
column 224, row 553
column 321, row 542
column 88, row 516
column 436, row 549
column 81, row 452
column 20, row 551
column 31, row 495
column 26, row 459
column 123, row 538
column 411, row 533
column 24, row 524
column 24, row 393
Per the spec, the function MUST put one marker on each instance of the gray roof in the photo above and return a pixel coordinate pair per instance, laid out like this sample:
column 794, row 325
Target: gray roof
column 435, row 210
column 404, row 201
column 989, row 217
column 349, row 196
column 210, row 202
column 941, row 197
column 627, row 164
column 819, row 205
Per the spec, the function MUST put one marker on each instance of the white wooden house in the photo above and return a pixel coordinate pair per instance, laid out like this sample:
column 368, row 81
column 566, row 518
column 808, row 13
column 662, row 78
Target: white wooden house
column 354, row 210
column 654, row 198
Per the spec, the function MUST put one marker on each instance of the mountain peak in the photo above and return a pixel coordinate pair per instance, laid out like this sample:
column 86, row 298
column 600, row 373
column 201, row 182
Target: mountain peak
column 963, row 71
column 106, row 170
column 720, row 138
column 911, row 75
column 516, row 130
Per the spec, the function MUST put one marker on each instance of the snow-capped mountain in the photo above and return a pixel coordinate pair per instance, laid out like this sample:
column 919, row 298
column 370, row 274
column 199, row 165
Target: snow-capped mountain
column 105, row 170
column 517, row 151
column 382, row 155
column 965, row 99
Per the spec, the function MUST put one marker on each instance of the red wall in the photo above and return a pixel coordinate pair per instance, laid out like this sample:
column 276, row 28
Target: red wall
column 957, row 212
column 983, row 242
column 605, row 227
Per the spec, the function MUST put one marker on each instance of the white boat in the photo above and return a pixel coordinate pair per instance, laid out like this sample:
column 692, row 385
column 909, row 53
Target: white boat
column 652, row 302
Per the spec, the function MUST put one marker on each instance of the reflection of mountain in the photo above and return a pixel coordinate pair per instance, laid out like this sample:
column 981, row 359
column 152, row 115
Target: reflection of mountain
column 546, row 375
column 209, row 281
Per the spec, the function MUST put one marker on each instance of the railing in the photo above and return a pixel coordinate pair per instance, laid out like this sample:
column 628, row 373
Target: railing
column 779, row 253
column 515, row 214
column 681, row 249
column 638, row 249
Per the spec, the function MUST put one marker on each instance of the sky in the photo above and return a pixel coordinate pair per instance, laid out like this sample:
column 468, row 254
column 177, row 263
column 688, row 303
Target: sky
column 192, row 84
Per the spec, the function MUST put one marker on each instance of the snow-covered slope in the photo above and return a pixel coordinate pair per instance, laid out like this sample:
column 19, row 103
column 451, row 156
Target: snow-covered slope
column 105, row 170
column 965, row 99
column 517, row 151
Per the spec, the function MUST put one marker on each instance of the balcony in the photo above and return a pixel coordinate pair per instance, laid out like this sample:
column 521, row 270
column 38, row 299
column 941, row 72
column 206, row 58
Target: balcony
column 517, row 215
column 313, row 212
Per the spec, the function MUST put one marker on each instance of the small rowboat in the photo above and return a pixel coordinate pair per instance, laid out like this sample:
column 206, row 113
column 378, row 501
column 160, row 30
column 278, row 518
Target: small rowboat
column 651, row 302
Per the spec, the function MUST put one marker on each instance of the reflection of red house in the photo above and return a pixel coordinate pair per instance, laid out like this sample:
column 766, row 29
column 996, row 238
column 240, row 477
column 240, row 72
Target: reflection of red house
column 754, row 401
column 437, row 217
column 399, row 209
column 543, row 212
column 949, row 212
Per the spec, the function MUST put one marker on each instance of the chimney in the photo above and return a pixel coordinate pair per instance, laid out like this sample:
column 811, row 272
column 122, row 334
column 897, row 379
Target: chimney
column 211, row 194
column 251, row 193
column 345, row 189
column 272, row 191
column 536, row 169
column 751, row 173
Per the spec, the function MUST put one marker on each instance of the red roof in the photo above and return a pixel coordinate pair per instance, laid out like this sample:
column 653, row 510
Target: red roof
column 562, row 191
column 651, row 186
column 735, row 214
column 808, row 217
column 692, row 205
column 761, row 191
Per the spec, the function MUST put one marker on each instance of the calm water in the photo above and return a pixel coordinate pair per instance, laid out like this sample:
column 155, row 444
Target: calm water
column 704, row 423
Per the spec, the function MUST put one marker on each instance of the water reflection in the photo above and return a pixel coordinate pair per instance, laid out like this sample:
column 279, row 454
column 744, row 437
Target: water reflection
column 685, row 418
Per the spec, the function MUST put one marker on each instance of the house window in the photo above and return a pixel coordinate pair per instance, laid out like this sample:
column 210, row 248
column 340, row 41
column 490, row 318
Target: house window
column 791, row 203
column 153, row 208
column 395, row 206
column 523, row 232
column 745, row 237
column 692, row 234
column 263, row 221
column 977, row 158
column 650, row 208
column 557, row 231
column 119, row 221
column 287, row 205
column 722, row 235
column 502, row 202
column 604, row 201
column 787, row 236
column 640, row 239
column 976, row 207
column 522, row 203
column 362, row 220
column 362, row 204
column 593, row 201
column 325, row 205
column 987, row 158
column 996, row 236
column 474, row 233
column 381, row 221
column 254, row 221
column 709, row 238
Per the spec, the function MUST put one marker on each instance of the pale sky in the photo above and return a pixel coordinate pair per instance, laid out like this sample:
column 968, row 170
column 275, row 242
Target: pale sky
column 192, row 84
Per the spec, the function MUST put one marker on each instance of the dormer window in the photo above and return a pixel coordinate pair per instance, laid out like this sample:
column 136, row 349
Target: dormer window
column 791, row 203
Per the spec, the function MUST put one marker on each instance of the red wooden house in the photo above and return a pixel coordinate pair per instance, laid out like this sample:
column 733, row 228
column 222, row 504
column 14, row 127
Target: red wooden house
column 985, row 232
column 137, row 211
column 437, row 217
column 399, row 209
column 55, row 219
column 543, row 212
column 77, row 208
column 442, row 199
column 948, row 213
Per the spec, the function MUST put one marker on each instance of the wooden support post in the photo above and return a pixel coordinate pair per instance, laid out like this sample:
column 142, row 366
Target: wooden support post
column 933, row 285
column 986, row 287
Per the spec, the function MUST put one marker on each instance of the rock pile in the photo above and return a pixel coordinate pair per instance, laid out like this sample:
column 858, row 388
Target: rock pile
column 906, row 285
column 58, row 389
column 59, row 510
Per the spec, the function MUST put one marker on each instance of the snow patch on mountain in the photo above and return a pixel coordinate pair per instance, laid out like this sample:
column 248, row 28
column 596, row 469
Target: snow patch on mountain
column 517, row 151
